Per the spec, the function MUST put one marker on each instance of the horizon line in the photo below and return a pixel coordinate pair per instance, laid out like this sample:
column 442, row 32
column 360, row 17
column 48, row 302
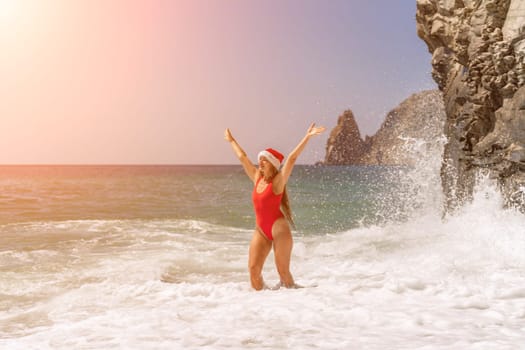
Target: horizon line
column 127, row 164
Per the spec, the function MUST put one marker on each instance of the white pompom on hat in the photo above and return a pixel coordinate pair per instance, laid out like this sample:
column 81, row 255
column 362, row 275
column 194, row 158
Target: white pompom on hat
column 273, row 156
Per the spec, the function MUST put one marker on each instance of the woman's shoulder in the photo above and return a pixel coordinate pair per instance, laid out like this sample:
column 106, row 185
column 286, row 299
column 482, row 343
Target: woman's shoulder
column 278, row 177
column 257, row 177
column 278, row 182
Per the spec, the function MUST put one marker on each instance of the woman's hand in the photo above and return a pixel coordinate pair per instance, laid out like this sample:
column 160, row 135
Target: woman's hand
column 228, row 135
column 315, row 130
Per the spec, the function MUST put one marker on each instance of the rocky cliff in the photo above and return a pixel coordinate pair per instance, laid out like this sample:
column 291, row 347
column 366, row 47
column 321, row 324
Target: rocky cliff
column 420, row 116
column 478, row 62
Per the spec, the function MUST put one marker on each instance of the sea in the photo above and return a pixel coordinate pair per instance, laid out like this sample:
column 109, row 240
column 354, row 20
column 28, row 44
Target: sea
column 155, row 257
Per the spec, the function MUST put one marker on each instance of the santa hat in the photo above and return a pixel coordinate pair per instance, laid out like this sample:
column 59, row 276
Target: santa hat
column 273, row 157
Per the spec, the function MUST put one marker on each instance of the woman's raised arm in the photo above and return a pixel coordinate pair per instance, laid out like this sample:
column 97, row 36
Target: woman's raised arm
column 292, row 157
column 247, row 165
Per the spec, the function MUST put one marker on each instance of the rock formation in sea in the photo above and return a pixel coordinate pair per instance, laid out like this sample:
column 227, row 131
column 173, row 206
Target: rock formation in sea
column 345, row 145
column 420, row 117
column 478, row 62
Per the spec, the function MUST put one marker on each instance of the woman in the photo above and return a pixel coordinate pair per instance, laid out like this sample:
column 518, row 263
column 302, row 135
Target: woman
column 272, row 210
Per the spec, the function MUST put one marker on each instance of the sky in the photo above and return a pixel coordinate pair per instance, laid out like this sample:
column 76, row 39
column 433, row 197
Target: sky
column 158, row 81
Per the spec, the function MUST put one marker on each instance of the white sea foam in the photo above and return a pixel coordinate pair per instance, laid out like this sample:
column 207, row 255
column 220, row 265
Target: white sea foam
column 416, row 283
column 421, row 284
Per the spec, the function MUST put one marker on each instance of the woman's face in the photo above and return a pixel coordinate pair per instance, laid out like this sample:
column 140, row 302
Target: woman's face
column 265, row 165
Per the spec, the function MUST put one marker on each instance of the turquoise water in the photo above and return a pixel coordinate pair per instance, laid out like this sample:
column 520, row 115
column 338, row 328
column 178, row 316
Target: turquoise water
column 324, row 199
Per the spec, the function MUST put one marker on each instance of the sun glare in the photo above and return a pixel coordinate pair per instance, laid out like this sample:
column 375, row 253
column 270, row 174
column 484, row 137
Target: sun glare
column 9, row 11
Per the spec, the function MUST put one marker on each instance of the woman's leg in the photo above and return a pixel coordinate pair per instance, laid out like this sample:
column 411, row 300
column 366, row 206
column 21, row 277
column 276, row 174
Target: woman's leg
column 259, row 249
column 282, row 247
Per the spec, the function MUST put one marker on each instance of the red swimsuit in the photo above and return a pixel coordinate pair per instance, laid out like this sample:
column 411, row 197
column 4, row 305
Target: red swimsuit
column 267, row 207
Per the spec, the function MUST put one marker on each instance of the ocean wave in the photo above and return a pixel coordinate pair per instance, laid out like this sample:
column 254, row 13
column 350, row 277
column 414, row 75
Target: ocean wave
column 448, row 283
column 414, row 281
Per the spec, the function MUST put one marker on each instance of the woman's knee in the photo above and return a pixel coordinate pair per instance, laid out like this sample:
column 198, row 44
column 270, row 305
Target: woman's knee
column 254, row 269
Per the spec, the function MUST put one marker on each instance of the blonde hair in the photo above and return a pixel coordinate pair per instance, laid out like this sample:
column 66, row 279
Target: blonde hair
column 287, row 210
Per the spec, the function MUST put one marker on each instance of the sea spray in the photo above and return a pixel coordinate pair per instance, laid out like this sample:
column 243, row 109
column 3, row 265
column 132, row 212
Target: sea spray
column 415, row 189
column 404, row 279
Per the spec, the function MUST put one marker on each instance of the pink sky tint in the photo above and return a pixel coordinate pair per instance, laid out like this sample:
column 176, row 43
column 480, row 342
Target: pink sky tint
column 75, row 81
column 137, row 81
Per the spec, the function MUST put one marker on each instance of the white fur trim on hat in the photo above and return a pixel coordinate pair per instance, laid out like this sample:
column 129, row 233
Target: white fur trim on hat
column 271, row 158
